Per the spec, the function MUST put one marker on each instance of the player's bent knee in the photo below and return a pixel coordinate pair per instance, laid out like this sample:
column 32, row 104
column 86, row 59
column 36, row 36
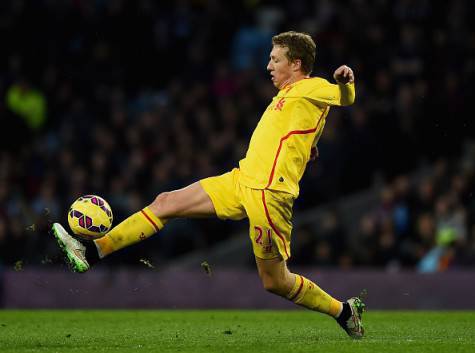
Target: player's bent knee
column 162, row 199
column 161, row 203
column 273, row 285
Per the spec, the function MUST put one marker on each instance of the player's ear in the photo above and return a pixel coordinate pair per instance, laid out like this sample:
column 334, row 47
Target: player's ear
column 296, row 65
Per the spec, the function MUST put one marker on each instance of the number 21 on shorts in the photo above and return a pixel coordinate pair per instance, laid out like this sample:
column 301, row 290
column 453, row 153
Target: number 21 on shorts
column 263, row 240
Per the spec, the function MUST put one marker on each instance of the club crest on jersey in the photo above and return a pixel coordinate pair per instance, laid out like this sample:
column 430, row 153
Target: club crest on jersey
column 280, row 104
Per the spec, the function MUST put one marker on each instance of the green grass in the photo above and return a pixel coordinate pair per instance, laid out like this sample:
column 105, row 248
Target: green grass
column 230, row 331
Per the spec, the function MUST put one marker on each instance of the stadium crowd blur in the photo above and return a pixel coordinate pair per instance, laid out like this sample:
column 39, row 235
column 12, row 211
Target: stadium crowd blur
column 126, row 99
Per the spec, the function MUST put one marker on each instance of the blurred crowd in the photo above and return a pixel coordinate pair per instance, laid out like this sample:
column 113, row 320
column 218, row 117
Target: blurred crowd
column 424, row 221
column 126, row 99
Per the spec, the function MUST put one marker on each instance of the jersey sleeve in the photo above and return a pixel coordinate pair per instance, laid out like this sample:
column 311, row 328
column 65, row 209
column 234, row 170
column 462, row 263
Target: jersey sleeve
column 324, row 92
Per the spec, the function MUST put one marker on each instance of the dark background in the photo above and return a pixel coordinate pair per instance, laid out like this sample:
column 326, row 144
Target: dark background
column 142, row 97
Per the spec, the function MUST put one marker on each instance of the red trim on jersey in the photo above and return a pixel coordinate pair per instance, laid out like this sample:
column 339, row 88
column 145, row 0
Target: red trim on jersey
column 272, row 224
column 282, row 139
column 150, row 220
column 298, row 291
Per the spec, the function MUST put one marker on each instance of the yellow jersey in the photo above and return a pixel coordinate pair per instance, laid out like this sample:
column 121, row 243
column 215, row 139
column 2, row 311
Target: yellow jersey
column 292, row 124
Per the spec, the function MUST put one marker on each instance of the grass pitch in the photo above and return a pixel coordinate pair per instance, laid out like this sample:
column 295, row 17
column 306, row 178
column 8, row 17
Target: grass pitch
column 230, row 331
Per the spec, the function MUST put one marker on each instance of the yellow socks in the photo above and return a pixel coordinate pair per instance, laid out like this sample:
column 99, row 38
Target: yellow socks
column 308, row 294
column 137, row 227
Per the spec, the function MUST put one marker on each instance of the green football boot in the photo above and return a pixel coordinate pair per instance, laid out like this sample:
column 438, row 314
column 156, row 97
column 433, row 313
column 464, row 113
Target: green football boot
column 73, row 249
column 353, row 326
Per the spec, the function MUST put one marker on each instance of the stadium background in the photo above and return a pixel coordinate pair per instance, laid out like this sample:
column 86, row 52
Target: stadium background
column 126, row 99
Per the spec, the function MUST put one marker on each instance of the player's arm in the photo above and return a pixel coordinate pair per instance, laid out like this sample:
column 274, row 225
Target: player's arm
column 342, row 93
column 345, row 79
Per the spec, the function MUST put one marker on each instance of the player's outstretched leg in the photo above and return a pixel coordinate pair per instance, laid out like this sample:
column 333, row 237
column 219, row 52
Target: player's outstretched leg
column 191, row 201
column 73, row 249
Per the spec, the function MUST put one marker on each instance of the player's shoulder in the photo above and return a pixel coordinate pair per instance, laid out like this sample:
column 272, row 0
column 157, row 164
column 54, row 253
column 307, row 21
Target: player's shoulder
column 314, row 82
column 308, row 85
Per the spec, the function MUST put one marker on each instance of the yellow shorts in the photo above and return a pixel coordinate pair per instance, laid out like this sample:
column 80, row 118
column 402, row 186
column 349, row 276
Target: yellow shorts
column 269, row 212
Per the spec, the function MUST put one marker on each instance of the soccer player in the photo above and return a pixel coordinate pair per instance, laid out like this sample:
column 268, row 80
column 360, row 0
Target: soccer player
column 262, row 189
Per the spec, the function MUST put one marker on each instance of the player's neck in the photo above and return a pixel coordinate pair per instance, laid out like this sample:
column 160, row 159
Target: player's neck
column 293, row 79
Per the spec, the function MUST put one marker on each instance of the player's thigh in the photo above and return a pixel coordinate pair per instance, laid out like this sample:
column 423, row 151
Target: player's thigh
column 270, row 223
column 191, row 201
column 225, row 193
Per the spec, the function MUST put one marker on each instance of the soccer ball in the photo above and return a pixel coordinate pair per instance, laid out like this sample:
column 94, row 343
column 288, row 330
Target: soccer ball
column 90, row 217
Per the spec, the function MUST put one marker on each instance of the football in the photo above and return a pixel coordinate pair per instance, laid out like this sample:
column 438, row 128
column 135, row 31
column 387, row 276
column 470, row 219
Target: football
column 90, row 217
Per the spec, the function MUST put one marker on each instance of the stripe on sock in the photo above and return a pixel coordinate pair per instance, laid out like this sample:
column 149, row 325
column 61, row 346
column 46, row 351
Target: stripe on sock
column 298, row 290
column 150, row 220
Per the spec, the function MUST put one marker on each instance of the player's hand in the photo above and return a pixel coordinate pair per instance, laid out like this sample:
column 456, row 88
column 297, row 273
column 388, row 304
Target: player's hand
column 344, row 74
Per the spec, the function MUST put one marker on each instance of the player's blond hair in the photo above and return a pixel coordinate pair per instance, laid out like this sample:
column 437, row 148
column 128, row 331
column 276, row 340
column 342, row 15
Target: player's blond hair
column 301, row 46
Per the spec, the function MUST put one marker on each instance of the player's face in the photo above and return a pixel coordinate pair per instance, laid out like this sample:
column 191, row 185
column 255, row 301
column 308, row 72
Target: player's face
column 280, row 68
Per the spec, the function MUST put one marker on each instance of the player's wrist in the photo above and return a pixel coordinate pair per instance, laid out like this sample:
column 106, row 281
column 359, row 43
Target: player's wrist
column 348, row 83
